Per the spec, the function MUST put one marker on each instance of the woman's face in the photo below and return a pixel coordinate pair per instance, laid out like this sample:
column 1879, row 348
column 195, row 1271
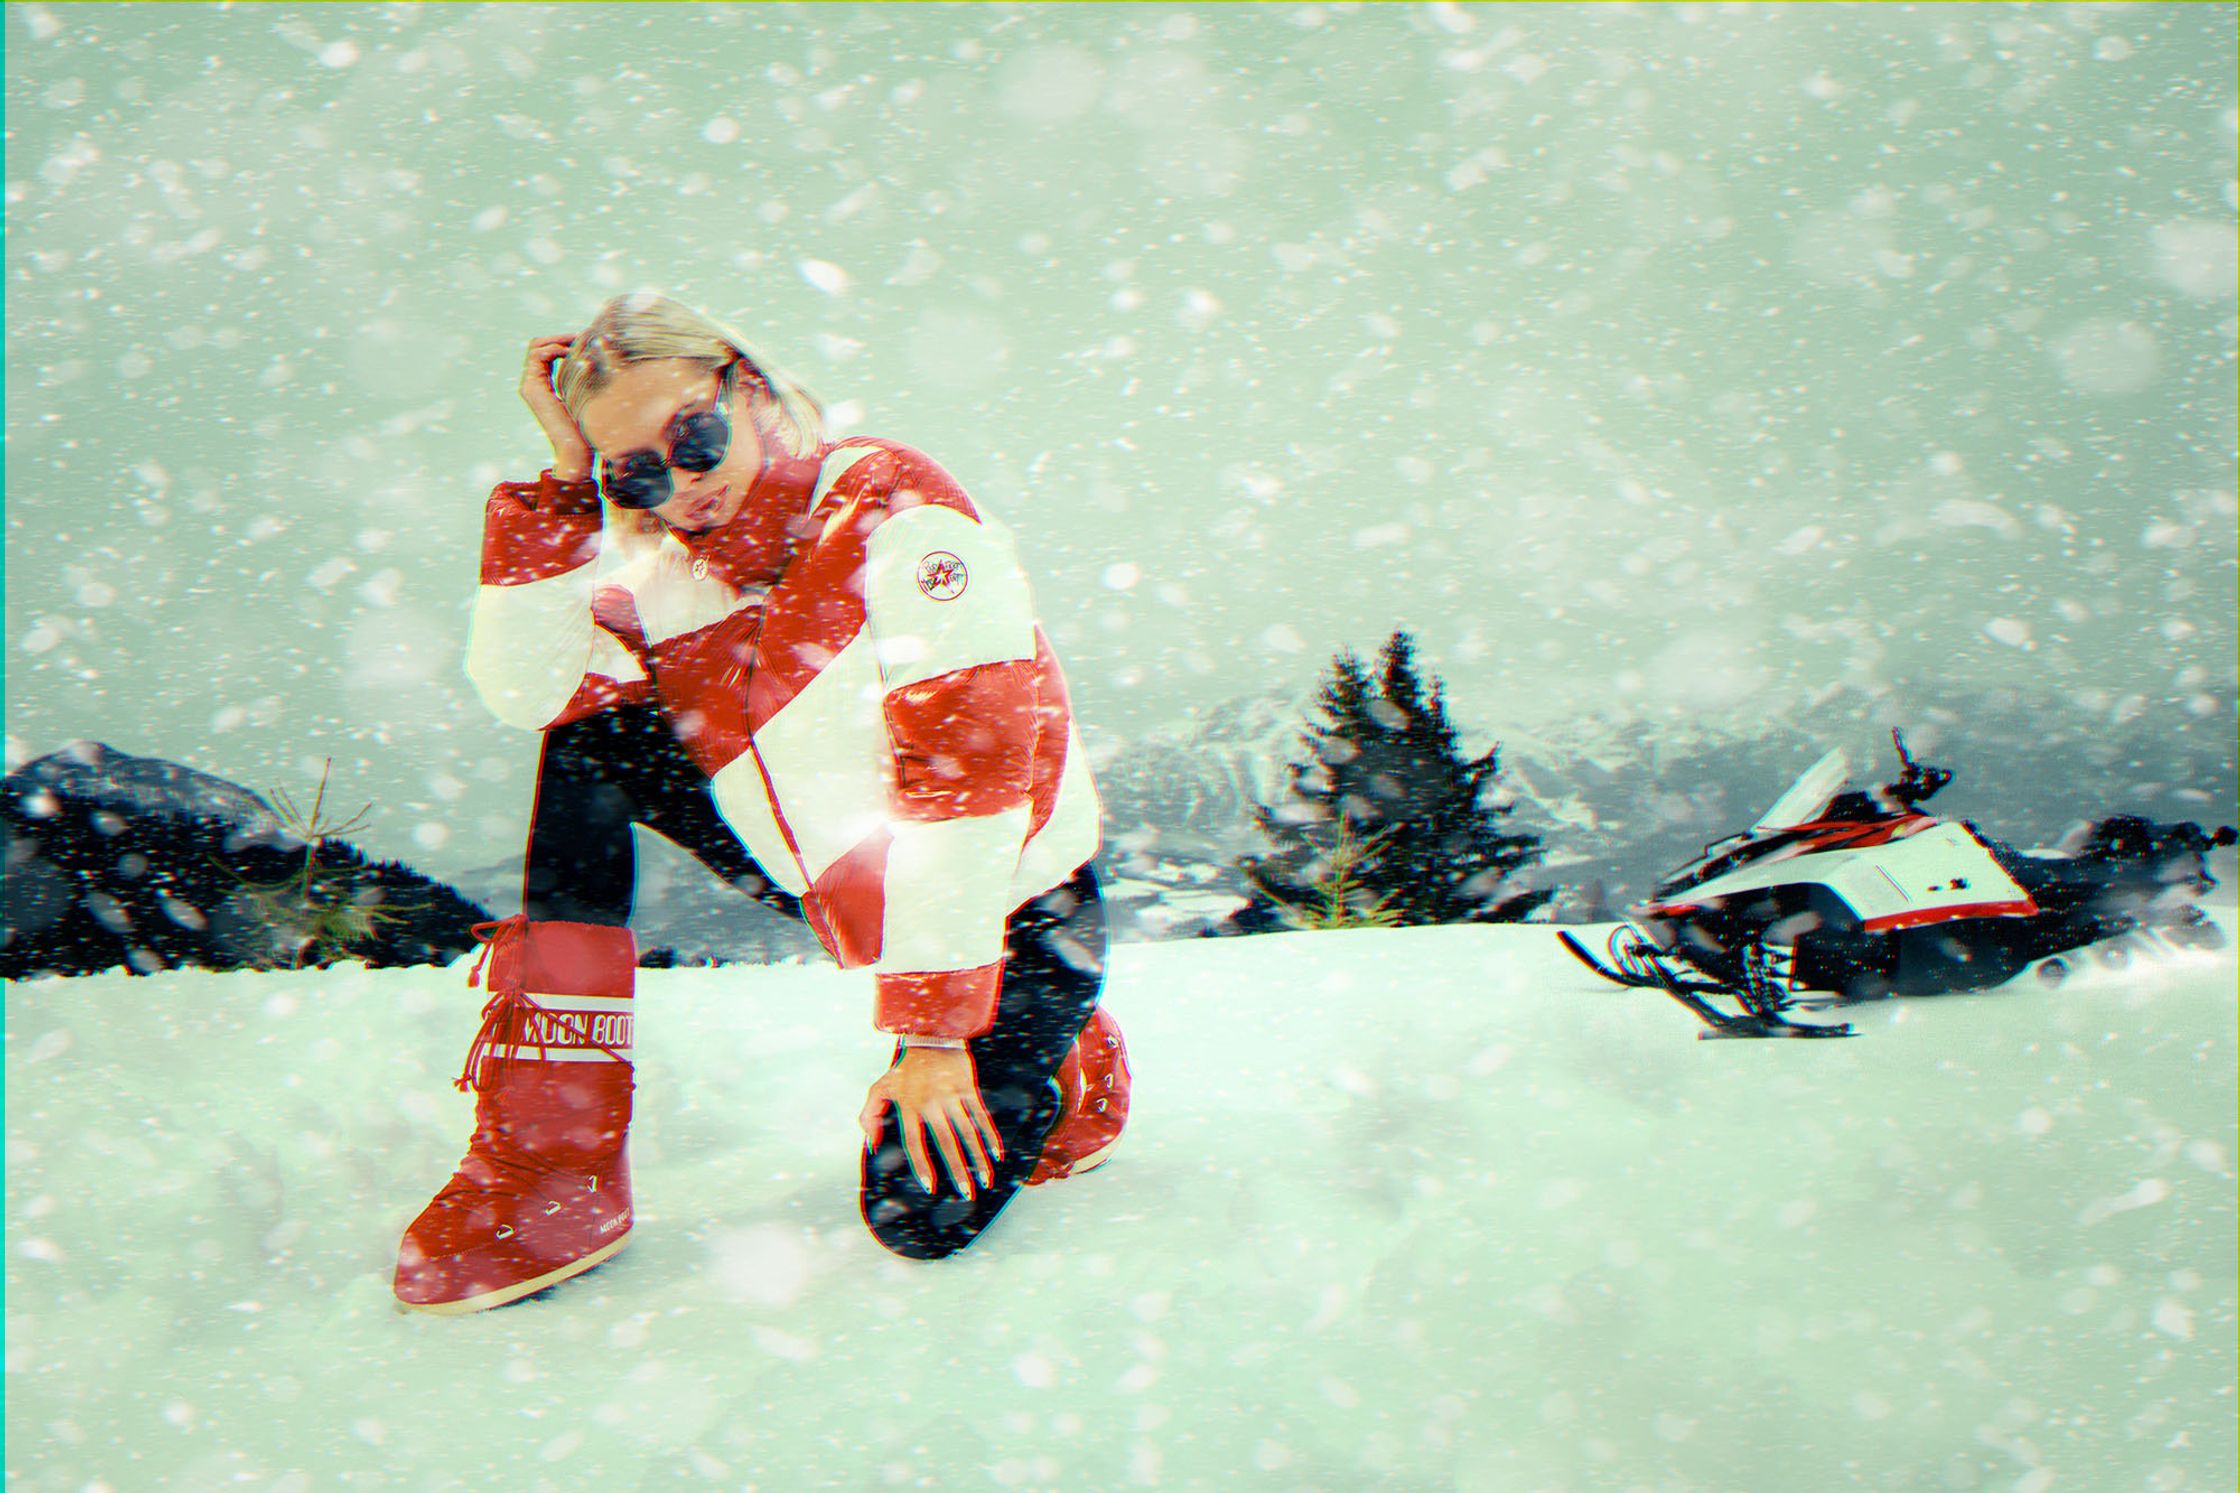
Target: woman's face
column 633, row 414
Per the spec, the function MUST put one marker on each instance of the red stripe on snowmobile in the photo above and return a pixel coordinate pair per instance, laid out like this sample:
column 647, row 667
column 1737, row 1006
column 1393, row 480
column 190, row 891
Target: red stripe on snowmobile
column 1904, row 821
column 1923, row 916
column 1847, row 834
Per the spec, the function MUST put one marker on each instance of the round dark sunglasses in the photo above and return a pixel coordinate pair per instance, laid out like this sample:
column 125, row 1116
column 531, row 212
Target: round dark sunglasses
column 696, row 443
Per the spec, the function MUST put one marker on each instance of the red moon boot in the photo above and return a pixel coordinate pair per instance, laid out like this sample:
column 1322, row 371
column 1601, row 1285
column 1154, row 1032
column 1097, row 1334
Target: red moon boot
column 544, row 1191
column 1094, row 1080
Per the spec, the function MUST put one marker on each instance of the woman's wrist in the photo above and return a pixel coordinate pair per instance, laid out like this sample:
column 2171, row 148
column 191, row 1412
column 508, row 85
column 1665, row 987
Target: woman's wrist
column 571, row 455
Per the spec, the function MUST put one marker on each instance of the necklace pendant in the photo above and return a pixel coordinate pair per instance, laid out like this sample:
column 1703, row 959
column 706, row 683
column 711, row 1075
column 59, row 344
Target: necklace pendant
column 699, row 567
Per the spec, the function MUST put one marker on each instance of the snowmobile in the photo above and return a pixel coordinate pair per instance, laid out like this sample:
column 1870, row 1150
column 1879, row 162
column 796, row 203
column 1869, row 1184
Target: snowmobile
column 1837, row 896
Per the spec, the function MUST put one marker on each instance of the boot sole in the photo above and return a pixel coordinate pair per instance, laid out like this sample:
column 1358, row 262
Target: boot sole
column 519, row 1289
column 1090, row 1162
column 1096, row 1158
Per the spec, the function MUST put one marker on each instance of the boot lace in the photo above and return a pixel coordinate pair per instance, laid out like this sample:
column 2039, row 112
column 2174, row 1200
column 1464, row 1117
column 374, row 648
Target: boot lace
column 507, row 1010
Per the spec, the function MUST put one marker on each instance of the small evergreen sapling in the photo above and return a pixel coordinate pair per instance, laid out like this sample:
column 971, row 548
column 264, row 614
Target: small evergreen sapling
column 1336, row 896
column 319, row 914
column 1387, row 820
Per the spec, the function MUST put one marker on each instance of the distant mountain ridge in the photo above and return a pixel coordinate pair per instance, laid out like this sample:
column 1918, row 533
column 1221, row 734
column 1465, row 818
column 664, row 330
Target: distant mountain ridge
column 1621, row 799
column 1618, row 800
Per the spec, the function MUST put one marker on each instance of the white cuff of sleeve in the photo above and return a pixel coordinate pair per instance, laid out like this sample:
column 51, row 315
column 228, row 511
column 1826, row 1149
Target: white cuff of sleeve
column 945, row 1044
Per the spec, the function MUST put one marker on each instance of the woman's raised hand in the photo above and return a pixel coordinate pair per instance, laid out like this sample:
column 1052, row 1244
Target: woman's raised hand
column 571, row 453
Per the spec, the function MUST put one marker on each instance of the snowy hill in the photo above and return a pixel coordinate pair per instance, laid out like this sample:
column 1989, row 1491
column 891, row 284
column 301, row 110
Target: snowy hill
column 1417, row 1208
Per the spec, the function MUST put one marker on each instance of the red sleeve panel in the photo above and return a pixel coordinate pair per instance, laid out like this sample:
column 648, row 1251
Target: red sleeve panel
column 946, row 1003
column 532, row 531
column 914, row 479
column 964, row 742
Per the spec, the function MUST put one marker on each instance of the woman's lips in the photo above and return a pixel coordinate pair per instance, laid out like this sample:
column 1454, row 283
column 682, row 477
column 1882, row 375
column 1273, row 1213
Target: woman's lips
column 705, row 509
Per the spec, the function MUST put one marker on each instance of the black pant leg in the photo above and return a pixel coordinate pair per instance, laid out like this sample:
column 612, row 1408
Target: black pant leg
column 597, row 777
column 1055, row 950
column 1055, row 947
column 681, row 808
column 581, row 866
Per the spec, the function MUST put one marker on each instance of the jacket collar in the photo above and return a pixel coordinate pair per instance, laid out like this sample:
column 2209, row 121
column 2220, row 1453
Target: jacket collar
column 786, row 482
column 754, row 549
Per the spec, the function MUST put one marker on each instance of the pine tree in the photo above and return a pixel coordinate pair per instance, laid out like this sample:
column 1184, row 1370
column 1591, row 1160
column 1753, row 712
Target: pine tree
column 1387, row 820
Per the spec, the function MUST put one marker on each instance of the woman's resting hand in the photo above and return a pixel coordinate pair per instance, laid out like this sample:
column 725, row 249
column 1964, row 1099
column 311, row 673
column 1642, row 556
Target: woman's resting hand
column 935, row 1092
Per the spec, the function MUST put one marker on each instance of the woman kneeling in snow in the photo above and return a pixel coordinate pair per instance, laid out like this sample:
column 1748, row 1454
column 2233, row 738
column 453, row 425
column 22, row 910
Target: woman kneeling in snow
column 807, row 660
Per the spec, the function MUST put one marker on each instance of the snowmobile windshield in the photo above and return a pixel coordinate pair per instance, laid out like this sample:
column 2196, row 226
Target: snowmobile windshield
column 1809, row 796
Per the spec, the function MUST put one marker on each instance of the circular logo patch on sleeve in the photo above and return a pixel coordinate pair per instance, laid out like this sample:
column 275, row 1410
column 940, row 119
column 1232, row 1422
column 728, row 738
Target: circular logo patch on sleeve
column 941, row 576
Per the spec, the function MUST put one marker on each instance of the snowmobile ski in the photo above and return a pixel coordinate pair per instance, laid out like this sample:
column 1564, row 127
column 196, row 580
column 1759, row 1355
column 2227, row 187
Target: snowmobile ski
column 1642, row 967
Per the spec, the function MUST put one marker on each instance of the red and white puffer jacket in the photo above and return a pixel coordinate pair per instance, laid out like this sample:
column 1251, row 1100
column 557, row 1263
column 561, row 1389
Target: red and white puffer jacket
column 854, row 662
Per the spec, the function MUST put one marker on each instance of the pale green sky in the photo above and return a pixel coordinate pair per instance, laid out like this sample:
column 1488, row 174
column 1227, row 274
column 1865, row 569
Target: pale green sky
column 1680, row 358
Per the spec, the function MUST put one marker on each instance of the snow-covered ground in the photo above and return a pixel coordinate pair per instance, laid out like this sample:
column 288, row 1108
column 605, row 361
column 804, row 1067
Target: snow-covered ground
column 1415, row 1209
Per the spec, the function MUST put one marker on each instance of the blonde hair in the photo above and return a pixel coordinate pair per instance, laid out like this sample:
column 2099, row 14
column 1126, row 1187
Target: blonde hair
column 645, row 325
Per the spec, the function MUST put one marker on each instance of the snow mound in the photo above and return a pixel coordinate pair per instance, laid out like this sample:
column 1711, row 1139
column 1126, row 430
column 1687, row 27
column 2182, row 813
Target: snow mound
column 1414, row 1208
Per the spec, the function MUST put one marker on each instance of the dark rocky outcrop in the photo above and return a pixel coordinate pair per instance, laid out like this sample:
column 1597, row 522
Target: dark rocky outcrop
column 115, row 860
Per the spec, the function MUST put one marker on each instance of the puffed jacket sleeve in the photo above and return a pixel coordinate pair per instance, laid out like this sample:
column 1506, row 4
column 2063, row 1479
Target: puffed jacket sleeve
column 534, row 652
column 952, row 625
